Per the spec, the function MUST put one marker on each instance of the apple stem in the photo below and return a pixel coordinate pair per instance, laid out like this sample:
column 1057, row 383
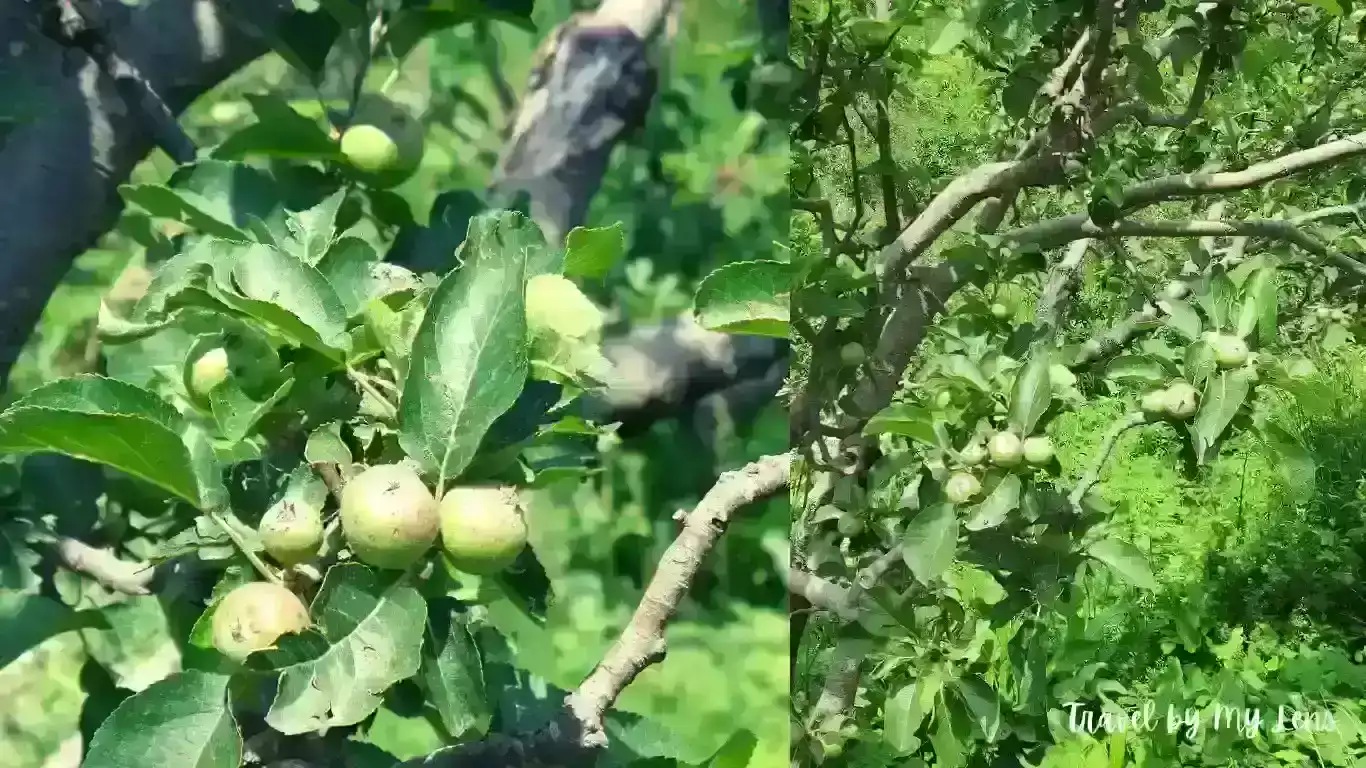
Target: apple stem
column 367, row 384
column 256, row 562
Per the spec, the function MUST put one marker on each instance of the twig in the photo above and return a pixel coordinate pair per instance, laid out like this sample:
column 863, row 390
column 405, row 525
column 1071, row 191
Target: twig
column 1107, row 446
column 642, row 642
column 364, row 381
column 104, row 566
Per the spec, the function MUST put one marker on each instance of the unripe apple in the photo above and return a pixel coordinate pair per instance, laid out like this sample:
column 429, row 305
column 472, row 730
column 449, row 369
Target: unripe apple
column 944, row 399
column 962, row 487
column 556, row 306
column 482, row 528
column 253, row 616
column 210, row 370
column 383, row 143
column 1005, row 449
column 973, row 453
column 388, row 516
column 852, row 354
column 1155, row 403
column 1038, row 449
column 291, row 533
column 1000, row 311
column 1182, row 401
column 1229, row 351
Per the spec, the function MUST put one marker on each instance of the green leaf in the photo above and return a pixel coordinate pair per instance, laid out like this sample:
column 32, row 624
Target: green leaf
column 1125, row 561
column 106, row 421
column 30, row 619
column 183, row 720
column 749, row 297
column 903, row 419
column 358, row 276
column 325, row 444
column 367, row 636
column 1293, row 461
column 293, row 290
column 313, row 231
column 930, row 542
column 992, row 511
column 1032, row 393
column 453, row 672
column 1182, row 318
column 1331, row 6
column 212, row 197
column 279, row 132
column 1147, row 369
column 907, row 710
column 953, row 33
column 982, row 703
column 736, row 752
column 974, row 585
column 1224, row 395
column 469, row 359
column 1259, row 303
column 593, row 251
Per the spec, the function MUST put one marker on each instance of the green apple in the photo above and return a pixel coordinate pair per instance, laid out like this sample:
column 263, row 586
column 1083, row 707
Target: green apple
column 255, row 615
column 1005, row 449
column 1229, row 351
column 1182, row 401
column 291, row 533
column 962, row 487
column 973, row 453
column 852, row 354
column 482, row 528
column 1038, row 450
column 383, row 144
column 210, row 370
column 388, row 516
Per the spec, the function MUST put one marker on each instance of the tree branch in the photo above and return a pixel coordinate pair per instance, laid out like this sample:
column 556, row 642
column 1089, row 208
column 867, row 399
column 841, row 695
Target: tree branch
column 104, row 566
column 1107, row 446
column 578, row 736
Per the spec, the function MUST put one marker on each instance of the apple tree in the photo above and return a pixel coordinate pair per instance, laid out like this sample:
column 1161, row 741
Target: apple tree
column 316, row 421
column 1163, row 207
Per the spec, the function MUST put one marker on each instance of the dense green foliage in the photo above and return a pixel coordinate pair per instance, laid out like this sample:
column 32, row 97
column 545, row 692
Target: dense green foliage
column 1215, row 564
column 272, row 248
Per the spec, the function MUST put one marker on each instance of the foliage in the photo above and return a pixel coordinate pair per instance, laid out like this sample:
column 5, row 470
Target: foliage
column 975, row 624
column 368, row 322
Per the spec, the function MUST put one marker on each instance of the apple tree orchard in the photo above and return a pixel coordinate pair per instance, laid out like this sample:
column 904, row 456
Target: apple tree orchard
column 401, row 412
column 1169, row 214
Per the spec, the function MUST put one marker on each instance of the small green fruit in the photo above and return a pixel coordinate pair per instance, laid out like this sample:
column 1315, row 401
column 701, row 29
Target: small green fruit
column 1182, row 401
column 944, row 399
column 1000, row 311
column 388, row 516
column 482, row 528
column 973, row 453
column 1229, row 351
column 1038, row 450
column 291, row 533
column 962, row 487
column 383, row 143
column 255, row 615
column 555, row 306
column 1005, row 449
column 209, row 371
column 852, row 354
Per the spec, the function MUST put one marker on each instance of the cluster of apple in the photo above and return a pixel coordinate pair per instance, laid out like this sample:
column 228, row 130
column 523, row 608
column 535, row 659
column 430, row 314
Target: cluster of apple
column 1005, row 450
column 389, row 520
